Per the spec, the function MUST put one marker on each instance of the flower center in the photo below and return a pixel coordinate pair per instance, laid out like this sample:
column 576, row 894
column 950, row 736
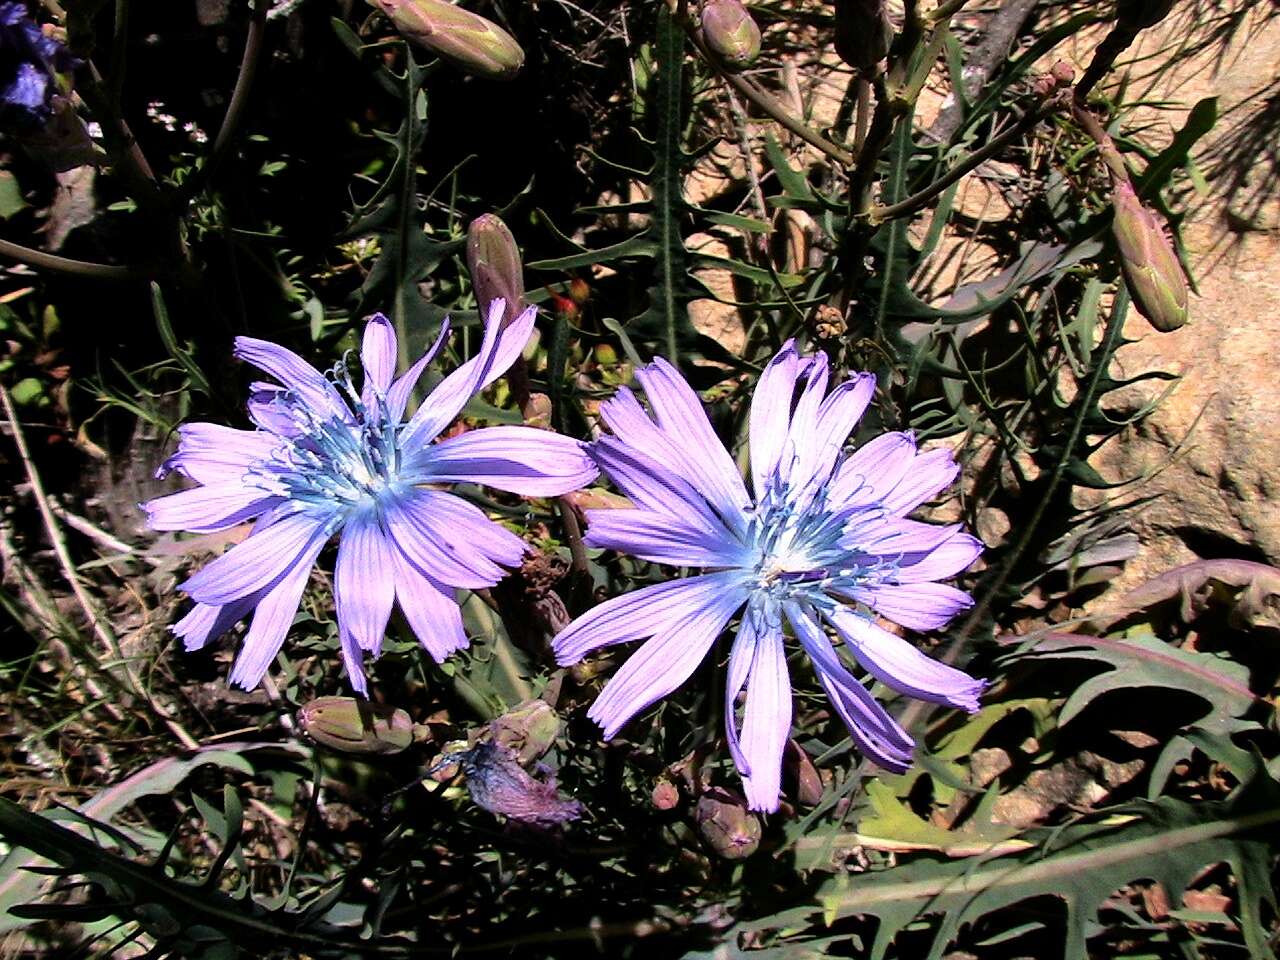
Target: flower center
column 332, row 461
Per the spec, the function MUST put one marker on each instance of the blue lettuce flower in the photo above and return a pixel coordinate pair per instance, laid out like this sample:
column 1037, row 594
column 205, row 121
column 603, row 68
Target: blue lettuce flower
column 29, row 64
column 822, row 540
column 327, row 459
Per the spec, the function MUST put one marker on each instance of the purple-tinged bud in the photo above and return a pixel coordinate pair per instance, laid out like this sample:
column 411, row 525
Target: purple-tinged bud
column 356, row 726
column 665, row 795
column 468, row 41
column 864, row 32
column 729, row 828
column 730, row 33
column 1151, row 268
column 494, row 262
column 579, row 291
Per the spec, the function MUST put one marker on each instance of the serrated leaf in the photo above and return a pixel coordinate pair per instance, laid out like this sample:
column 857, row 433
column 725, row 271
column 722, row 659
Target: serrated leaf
column 1146, row 661
column 1083, row 864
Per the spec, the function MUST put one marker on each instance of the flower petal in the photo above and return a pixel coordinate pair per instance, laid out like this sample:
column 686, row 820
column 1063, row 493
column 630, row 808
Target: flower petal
column 658, row 538
column 804, row 418
column 928, row 474
column 450, row 540
column 818, row 446
column 902, row 667
column 524, row 460
column 770, row 417
column 301, row 379
column 273, row 618
column 945, row 560
column 643, row 613
column 500, row 348
column 204, row 622
column 260, row 560
column 916, row 606
column 209, row 453
column 352, row 661
column 378, row 357
column 402, row 388
column 662, row 664
column 430, row 609
column 681, row 416
column 876, row 734
column 363, row 586
column 766, row 722
column 209, row 508
column 655, row 487
column 874, row 469
column 741, row 656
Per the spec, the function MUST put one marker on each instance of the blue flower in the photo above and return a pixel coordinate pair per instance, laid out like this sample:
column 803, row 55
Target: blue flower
column 329, row 459
column 29, row 64
column 823, row 541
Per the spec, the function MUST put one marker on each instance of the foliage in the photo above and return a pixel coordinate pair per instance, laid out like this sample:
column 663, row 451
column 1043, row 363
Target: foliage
column 284, row 169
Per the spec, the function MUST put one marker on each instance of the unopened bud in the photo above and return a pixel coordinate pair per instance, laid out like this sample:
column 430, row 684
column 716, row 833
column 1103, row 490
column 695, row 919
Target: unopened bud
column 356, row 726
column 729, row 828
column 864, row 32
column 468, row 41
column 1151, row 269
column 1060, row 76
column 529, row 729
column 562, row 306
column 730, row 33
column 605, row 354
column 809, row 786
column 494, row 262
column 579, row 291
column 665, row 795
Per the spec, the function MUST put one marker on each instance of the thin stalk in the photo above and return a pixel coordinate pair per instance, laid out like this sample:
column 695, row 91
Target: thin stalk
column 244, row 83
column 79, row 268
column 918, row 201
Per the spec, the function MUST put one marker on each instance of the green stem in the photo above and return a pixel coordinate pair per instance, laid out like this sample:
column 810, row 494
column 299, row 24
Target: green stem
column 79, row 268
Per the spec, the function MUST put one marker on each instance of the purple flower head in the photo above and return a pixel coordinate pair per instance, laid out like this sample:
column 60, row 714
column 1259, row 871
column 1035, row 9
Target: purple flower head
column 824, row 537
column 328, row 458
column 29, row 63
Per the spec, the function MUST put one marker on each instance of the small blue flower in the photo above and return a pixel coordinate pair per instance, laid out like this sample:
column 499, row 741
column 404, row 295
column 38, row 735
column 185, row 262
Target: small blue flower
column 824, row 534
column 329, row 459
column 29, row 64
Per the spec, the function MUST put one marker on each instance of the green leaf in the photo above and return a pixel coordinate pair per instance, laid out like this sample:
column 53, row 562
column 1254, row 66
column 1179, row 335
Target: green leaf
column 11, row 199
column 1177, row 154
column 1146, row 661
column 1083, row 864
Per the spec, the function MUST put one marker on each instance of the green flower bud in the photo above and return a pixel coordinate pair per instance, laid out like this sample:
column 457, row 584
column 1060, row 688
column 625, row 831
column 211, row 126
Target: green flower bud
column 529, row 729
column 494, row 261
column 730, row 33
column 356, row 726
column 468, row 41
column 729, row 828
column 864, row 32
column 1151, row 269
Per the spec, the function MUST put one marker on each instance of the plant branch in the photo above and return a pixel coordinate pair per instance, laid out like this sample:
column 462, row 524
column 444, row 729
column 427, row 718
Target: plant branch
column 764, row 100
column 79, row 268
column 917, row 201
column 240, row 94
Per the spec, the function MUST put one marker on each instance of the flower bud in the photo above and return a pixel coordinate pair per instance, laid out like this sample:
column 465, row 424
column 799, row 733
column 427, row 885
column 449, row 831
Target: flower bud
column 864, row 32
column 356, row 726
column 468, row 41
column 1151, row 269
column 730, row 33
column 579, row 291
column 809, row 785
column 665, row 795
column 529, row 729
column 494, row 262
column 729, row 828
